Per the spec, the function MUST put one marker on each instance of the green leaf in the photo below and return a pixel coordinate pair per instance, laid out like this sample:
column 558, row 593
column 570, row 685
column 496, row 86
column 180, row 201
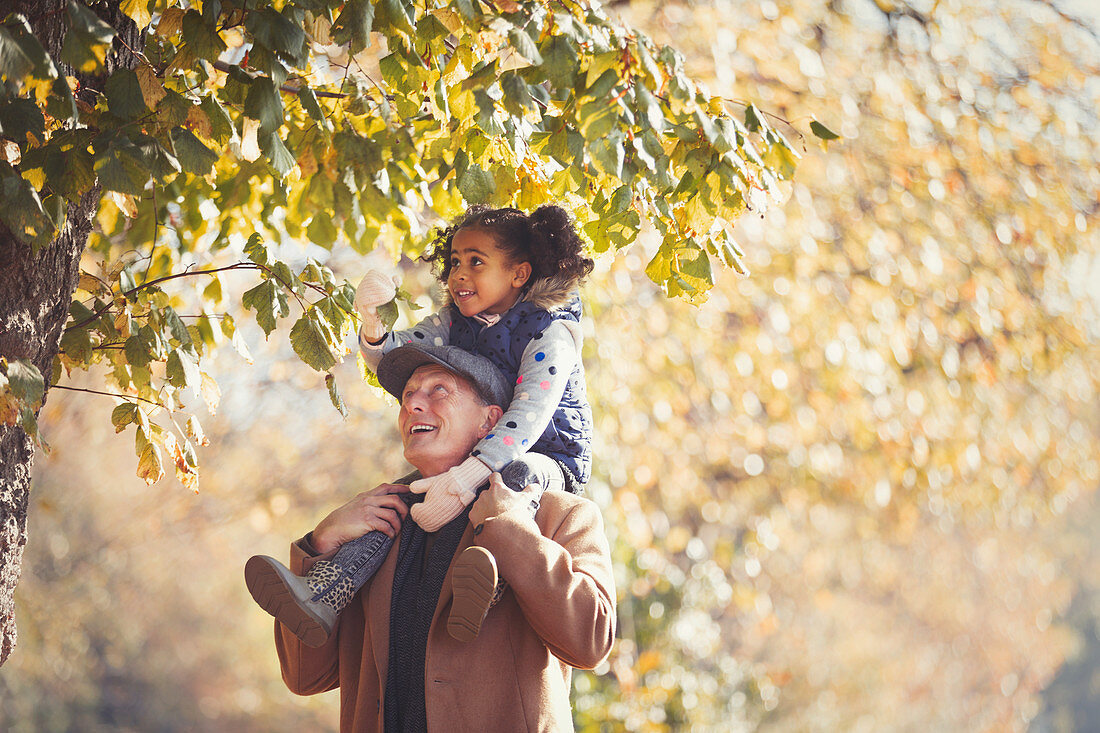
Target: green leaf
column 780, row 158
column 21, row 209
column 281, row 159
column 600, row 65
column 753, row 120
column 517, row 95
column 388, row 313
column 269, row 302
column 182, row 369
column 120, row 167
column 311, row 343
column 24, row 381
column 255, row 249
column 76, row 345
column 19, row 118
column 20, row 48
column 476, row 184
column 272, row 29
column 15, row 62
column 334, row 395
column 353, row 25
column 221, row 127
column 596, row 119
column 649, row 109
column 123, row 415
column 609, row 152
column 559, row 61
column 88, row 40
column 176, row 326
column 524, row 45
column 124, row 97
column 264, row 105
column 137, row 351
column 63, row 167
column 194, row 157
column 321, row 230
column 309, row 103
column 202, row 38
column 823, row 132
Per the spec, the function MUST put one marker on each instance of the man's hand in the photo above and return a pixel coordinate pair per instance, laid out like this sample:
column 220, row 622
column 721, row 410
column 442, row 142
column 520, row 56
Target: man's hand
column 379, row 509
column 374, row 289
column 499, row 499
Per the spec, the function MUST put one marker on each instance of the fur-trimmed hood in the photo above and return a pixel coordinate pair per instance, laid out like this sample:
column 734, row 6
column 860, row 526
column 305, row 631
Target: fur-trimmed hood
column 552, row 293
column 549, row 293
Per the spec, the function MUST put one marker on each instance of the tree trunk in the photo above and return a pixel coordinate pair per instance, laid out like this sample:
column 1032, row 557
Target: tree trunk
column 35, row 291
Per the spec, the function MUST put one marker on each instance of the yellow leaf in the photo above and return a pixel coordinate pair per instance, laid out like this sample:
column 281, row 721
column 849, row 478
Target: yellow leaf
column 199, row 123
column 122, row 324
column 171, row 22
column 138, row 10
column 89, row 283
column 307, row 163
column 211, row 394
column 125, row 203
column 449, row 18
column 152, row 89
column 149, row 465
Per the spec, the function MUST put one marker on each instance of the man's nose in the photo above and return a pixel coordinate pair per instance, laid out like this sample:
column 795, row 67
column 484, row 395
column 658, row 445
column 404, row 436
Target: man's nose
column 414, row 401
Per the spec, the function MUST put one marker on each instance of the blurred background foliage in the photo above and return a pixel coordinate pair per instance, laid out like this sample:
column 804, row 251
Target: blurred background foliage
column 852, row 492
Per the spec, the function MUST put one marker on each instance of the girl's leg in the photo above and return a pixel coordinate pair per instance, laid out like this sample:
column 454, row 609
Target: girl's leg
column 476, row 584
column 534, row 469
column 308, row 606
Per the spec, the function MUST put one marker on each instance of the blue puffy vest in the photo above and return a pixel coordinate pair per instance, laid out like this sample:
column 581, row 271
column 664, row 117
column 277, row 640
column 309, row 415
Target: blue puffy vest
column 568, row 437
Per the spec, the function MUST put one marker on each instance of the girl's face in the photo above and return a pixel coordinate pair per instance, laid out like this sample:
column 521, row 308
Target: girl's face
column 482, row 278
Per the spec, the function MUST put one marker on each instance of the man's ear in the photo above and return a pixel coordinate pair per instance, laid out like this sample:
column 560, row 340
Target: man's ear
column 521, row 274
column 493, row 413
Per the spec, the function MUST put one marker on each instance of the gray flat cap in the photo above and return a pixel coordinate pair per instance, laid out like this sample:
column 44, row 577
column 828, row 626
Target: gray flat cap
column 398, row 365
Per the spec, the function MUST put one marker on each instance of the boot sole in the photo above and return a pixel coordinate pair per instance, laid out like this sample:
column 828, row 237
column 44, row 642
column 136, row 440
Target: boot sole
column 264, row 577
column 473, row 582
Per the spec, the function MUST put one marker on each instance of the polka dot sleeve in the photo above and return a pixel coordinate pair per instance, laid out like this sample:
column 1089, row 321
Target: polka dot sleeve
column 434, row 330
column 544, row 370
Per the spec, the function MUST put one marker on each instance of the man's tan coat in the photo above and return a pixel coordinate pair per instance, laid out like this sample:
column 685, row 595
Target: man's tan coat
column 558, row 613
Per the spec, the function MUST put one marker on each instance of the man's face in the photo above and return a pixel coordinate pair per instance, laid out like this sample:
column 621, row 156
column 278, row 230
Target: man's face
column 441, row 419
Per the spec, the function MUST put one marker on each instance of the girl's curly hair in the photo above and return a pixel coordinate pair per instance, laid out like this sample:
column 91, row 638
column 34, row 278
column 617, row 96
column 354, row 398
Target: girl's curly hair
column 545, row 238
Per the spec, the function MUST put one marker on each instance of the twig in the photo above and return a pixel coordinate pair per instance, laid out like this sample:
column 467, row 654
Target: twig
column 108, row 394
column 224, row 67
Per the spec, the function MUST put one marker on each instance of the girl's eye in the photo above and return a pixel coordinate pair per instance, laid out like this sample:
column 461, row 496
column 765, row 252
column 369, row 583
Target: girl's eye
column 475, row 261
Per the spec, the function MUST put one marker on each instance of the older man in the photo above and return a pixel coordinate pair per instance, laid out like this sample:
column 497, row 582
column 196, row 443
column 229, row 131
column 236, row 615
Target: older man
column 395, row 665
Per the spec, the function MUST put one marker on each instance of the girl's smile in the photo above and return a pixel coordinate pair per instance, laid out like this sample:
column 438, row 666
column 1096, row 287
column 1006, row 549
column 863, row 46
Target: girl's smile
column 482, row 279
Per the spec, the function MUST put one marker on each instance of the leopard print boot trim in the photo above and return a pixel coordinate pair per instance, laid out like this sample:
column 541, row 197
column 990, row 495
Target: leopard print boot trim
column 330, row 585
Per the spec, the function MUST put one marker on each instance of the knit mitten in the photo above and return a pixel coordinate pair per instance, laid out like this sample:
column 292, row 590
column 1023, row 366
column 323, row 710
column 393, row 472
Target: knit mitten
column 446, row 495
column 374, row 289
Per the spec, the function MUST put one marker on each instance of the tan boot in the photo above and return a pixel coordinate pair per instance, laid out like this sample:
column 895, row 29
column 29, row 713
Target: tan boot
column 302, row 605
column 474, row 583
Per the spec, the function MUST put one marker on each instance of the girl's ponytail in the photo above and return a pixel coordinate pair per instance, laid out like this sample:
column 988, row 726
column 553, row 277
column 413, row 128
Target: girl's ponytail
column 557, row 248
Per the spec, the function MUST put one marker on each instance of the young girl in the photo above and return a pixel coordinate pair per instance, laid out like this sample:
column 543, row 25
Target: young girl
column 511, row 281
